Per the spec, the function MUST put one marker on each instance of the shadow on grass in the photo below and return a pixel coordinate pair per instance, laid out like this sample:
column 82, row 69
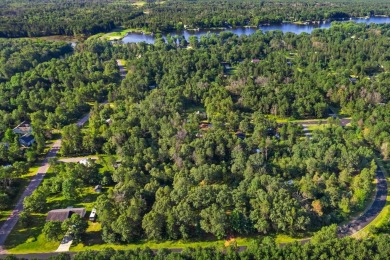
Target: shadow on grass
column 21, row 234
column 93, row 238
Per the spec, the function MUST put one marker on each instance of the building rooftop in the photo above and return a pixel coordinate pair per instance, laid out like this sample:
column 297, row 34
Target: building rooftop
column 64, row 214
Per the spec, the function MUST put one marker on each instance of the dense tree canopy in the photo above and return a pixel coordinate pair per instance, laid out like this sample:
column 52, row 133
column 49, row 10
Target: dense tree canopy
column 197, row 133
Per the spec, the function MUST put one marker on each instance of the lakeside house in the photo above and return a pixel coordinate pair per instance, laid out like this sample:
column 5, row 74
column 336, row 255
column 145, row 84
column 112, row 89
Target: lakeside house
column 64, row 214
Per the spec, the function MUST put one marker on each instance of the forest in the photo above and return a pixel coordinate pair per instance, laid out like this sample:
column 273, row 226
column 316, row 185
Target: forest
column 21, row 18
column 203, row 137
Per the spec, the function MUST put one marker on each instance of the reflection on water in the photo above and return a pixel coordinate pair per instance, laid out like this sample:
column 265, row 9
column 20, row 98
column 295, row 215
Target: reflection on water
column 285, row 27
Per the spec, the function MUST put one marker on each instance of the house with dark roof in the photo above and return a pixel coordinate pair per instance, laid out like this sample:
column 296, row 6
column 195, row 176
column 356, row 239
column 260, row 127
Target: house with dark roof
column 64, row 214
column 353, row 80
column 26, row 140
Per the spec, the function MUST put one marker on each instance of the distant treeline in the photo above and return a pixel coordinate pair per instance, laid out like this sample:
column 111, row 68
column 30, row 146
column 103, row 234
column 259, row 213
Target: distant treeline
column 20, row 18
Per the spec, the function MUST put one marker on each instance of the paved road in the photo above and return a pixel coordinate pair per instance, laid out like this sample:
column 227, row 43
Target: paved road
column 77, row 159
column 85, row 118
column 65, row 244
column 372, row 212
column 122, row 70
column 9, row 224
column 343, row 122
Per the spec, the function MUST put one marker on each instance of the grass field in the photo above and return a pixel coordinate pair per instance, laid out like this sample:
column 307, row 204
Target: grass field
column 120, row 32
column 4, row 214
column 139, row 3
column 93, row 243
column 29, row 239
column 317, row 127
column 170, row 244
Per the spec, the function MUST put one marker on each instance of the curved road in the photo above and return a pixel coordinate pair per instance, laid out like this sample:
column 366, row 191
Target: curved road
column 373, row 210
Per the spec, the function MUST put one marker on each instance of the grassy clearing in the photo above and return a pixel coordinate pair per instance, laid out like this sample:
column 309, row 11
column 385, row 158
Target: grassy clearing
column 120, row 32
column 159, row 245
column 122, row 61
column 29, row 239
column 317, row 127
column 193, row 108
column 383, row 217
column 278, row 119
column 232, row 71
column 93, row 243
column 139, row 3
column 283, row 239
column 4, row 214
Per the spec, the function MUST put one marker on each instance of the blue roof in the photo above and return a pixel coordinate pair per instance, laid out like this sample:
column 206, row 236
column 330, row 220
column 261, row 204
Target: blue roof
column 27, row 138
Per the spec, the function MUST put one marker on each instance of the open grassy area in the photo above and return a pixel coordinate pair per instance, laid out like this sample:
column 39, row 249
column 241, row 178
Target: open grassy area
column 283, row 239
column 317, row 127
column 120, row 32
column 93, row 242
column 4, row 214
column 29, row 239
column 165, row 244
column 139, row 3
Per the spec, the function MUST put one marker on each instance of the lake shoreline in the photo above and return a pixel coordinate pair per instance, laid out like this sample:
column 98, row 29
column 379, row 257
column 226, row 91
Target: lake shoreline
column 285, row 27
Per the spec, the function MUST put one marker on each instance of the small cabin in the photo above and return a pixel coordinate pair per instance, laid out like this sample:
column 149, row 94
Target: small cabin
column 92, row 216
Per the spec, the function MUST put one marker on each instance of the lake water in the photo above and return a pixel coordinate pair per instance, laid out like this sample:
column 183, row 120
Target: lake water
column 285, row 27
